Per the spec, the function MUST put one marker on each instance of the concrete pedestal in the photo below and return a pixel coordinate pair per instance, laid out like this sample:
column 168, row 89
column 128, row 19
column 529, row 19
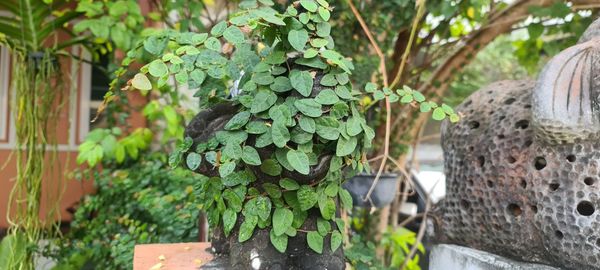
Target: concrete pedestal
column 452, row 257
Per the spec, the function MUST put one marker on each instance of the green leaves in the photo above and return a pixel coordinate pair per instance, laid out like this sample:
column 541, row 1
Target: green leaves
column 158, row 68
column 307, row 124
column 247, row 228
column 288, row 184
column 141, row 82
column 345, row 146
column 233, row 35
column 346, row 198
column 238, row 121
column 282, row 220
column 438, row 114
column 193, row 161
column 315, row 241
column 307, row 197
column 299, row 161
column 298, row 39
column 309, row 5
column 229, row 219
column 302, row 81
column 280, row 134
column 336, row 240
column 263, row 100
column 327, row 97
column 279, row 241
column 309, row 107
column 250, row 156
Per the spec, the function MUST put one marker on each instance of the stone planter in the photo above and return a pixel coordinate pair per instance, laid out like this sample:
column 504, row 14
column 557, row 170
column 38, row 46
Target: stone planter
column 382, row 195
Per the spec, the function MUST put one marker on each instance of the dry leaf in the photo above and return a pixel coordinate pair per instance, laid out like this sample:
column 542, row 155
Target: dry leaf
column 198, row 262
column 187, row 248
column 161, row 258
column 157, row 266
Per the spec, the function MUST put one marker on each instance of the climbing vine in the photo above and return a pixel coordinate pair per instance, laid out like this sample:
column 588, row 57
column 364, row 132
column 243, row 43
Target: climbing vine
column 294, row 105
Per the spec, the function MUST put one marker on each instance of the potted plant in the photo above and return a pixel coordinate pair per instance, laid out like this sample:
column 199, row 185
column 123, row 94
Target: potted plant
column 281, row 121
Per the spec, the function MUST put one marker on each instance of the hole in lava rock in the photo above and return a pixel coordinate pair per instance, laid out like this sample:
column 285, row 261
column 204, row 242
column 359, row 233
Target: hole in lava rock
column 559, row 234
column 514, row 209
column 539, row 163
column 511, row 159
column 571, row 158
column 589, row 181
column 490, row 184
column 481, row 161
column 523, row 183
column 554, row 186
column 534, row 208
column 510, row 101
column 473, row 125
column 585, row 208
column 465, row 204
column 522, row 124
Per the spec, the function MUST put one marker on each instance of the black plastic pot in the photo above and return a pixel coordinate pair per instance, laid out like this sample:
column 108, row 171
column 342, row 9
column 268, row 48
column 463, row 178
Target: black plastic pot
column 382, row 195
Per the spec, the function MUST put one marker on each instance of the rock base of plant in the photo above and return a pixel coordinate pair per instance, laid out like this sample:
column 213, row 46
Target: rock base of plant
column 452, row 257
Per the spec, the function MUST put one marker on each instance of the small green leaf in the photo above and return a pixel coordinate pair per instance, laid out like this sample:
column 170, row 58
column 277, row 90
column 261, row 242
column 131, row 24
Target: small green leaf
column 218, row 29
column 323, row 226
column 279, row 241
column 328, row 80
column 233, row 35
column 158, row 68
column 418, row 97
column 271, row 167
column 213, row 43
column 324, row 13
column 327, row 97
column 250, row 156
column 280, row 134
column 288, row 184
column 438, row 114
column 345, row 146
column 141, row 82
column 309, row 107
column 353, row 126
column 302, row 81
column 193, row 161
column 327, row 208
column 238, row 121
column 263, row 207
column 226, row 168
column 247, row 228
column 298, row 39
column 336, row 240
column 307, row 197
column 315, row 241
column 272, row 190
column 198, row 76
column 310, row 53
column 407, row 99
column 281, row 84
column 346, row 198
column 263, row 100
column 307, row 124
column 282, row 220
column 319, row 42
column 299, row 161
column 370, row 87
column 425, row 107
column 256, row 127
column 229, row 219
column 309, row 5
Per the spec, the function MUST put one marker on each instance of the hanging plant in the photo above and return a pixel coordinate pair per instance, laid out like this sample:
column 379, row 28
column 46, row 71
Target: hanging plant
column 284, row 125
column 29, row 30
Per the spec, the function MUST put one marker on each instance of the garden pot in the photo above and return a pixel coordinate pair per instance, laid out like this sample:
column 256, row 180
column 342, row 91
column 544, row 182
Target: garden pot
column 382, row 195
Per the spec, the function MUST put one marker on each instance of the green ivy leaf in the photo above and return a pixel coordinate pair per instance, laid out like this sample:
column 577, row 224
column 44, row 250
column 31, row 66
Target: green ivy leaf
column 346, row 198
column 438, row 114
column 232, row 151
column 299, row 161
column 158, row 68
column 279, row 241
column 288, row 184
column 324, row 13
column 237, row 178
column 280, row 134
column 226, row 168
column 309, row 5
column 327, row 128
column 256, row 127
column 213, row 43
column 281, row 84
column 141, row 82
column 282, row 220
column 263, row 100
column 327, row 207
column 298, row 39
column 198, row 76
column 229, row 219
column 353, row 126
column 302, row 81
column 307, row 124
column 345, row 146
column 319, row 43
column 323, row 226
column 263, row 207
column 271, row 167
column 336, row 240
column 309, row 107
column 234, row 35
column 247, row 228
column 307, row 197
column 323, row 29
column 315, row 241
column 327, row 97
column 193, row 161
column 233, row 200
column 250, row 156
column 273, row 190
column 238, row 121
column 218, row 29
column 310, row 53
column 425, row 107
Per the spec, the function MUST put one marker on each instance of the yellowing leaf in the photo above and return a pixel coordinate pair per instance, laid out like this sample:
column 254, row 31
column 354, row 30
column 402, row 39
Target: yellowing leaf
column 471, row 12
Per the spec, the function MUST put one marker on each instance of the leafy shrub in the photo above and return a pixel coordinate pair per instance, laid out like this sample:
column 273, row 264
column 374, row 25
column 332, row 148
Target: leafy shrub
column 144, row 203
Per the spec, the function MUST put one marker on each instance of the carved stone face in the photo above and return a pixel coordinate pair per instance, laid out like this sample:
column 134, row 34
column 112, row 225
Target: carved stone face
column 523, row 165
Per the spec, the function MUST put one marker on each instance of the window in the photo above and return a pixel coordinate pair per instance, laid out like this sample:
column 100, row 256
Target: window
column 99, row 85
